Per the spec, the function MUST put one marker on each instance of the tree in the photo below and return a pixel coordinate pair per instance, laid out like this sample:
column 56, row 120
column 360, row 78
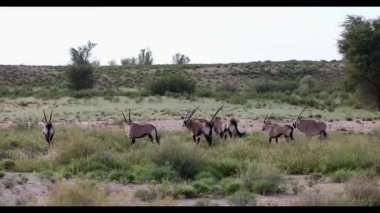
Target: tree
column 128, row 61
column 179, row 58
column 360, row 46
column 82, row 54
column 145, row 57
column 80, row 72
column 112, row 63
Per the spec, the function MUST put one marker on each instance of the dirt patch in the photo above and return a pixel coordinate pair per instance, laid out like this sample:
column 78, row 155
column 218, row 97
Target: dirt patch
column 245, row 125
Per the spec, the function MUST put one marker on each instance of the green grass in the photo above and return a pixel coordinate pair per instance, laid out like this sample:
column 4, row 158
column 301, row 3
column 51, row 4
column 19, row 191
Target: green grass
column 316, row 83
column 106, row 155
column 158, row 108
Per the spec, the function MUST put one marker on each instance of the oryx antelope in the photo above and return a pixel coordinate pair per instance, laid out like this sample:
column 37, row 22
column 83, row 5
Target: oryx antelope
column 310, row 127
column 48, row 129
column 134, row 130
column 223, row 125
column 275, row 131
column 199, row 126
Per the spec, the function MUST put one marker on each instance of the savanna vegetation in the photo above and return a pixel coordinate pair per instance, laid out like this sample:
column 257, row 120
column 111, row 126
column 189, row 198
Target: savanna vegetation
column 236, row 169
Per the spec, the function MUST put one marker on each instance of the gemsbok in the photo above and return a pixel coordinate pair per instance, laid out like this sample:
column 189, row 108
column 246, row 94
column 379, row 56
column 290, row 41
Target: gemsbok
column 275, row 131
column 48, row 129
column 310, row 127
column 223, row 125
column 199, row 126
column 135, row 131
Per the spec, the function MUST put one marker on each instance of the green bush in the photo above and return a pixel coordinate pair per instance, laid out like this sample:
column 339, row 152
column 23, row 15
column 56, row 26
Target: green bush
column 8, row 164
column 146, row 194
column 230, row 185
column 120, row 176
column 227, row 166
column 206, row 185
column 261, row 178
column 186, row 161
column 173, row 83
column 243, row 198
column 163, row 173
column 187, row 191
column 80, row 76
column 2, row 174
column 341, row 176
column 280, row 86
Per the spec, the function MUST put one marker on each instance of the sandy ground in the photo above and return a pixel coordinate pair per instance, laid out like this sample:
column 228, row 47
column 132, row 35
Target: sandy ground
column 245, row 125
column 35, row 190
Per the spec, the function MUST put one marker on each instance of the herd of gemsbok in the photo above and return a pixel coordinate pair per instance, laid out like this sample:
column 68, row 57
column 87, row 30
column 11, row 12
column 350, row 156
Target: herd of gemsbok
column 200, row 126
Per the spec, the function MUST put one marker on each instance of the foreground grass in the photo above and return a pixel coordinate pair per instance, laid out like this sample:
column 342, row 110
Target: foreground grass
column 230, row 168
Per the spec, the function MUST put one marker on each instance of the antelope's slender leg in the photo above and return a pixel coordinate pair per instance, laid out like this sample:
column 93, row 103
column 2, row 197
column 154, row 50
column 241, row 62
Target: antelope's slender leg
column 198, row 140
column 230, row 133
column 194, row 139
column 270, row 140
column 51, row 137
column 276, row 138
column 150, row 138
column 133, row 141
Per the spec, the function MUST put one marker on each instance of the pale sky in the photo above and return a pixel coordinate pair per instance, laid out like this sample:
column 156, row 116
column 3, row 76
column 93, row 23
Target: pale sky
column 43, row 36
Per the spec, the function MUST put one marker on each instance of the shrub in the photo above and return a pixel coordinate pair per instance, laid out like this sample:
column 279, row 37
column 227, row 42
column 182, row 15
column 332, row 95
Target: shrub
column 341, row 176
column 80, row 76
column 2, row 174
column 162, row 173
column 146, row 194
column 9, row 183
column 80, row 193
column 173, row 83
column 206, row 185
column 261, row 178
column 227, row 167
column 8, row 164
column 364, row 190
column 48, row 175
column 280, row 86
column 120, row 176
column 243, row 198
column 186, row 161
column 230, row 185
column 187, row 191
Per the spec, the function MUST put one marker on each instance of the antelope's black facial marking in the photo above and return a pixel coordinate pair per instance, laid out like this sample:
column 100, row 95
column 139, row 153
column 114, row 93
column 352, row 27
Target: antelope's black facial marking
column 49, row 125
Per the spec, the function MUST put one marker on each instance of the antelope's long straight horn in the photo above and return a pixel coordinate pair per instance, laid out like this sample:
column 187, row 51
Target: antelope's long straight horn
column 44, row 115
column 266, row 117
column 216, row 112
column 192, row 113
column 187, row 112
column 50, row 115
column 270, row 116
column 124, row 118
column 129, row 116
column 301, row 112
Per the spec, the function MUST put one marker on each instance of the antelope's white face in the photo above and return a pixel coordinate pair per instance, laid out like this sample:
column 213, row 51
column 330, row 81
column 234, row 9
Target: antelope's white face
column 127, row 128
column 295, row 122
column 184, row 123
